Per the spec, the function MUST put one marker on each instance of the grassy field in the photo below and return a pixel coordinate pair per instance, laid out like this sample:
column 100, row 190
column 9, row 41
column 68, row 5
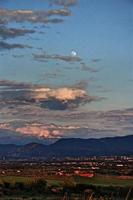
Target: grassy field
column 13, row 179
column 96, row 180
column 105, row 181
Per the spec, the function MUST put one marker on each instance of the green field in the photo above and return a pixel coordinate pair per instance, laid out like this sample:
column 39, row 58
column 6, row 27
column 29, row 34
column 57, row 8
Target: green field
column 14, row 179
column 105, row 181
column 96, row 180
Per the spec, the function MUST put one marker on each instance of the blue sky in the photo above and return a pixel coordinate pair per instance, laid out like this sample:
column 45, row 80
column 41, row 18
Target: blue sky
column 100, row 74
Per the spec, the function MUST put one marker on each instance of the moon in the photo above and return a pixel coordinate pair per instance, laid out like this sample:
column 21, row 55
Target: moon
column 73, row 53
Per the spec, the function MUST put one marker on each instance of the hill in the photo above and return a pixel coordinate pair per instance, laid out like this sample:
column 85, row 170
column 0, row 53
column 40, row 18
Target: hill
column 71, row 147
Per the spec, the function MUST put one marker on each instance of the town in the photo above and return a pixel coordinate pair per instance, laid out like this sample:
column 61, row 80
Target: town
column 72, row 176
column 84, row 166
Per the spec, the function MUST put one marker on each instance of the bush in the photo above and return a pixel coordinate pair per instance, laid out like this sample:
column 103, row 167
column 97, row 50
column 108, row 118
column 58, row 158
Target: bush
column 39, row 186
column 19, row 186
column 6, row 185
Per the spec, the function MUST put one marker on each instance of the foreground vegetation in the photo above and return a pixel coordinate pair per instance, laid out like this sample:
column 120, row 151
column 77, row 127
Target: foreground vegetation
column 75, row 188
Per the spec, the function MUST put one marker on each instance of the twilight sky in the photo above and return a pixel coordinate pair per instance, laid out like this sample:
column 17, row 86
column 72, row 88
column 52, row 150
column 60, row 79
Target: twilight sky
column 66, row 69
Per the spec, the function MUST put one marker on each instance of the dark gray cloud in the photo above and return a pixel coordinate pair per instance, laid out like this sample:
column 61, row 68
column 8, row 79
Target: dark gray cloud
column 13, row 32
column 57, row 104
column 66, row 58
column 8, row 46
column 49, row 98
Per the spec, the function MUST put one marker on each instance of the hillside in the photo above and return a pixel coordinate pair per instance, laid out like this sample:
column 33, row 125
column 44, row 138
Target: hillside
column 71, row 147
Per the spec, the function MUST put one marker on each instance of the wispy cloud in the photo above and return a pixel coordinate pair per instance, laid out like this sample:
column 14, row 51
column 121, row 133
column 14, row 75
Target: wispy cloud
column 8, row 46
column 65, row 3
column 95, row 60
column 22, row 16
column 85, row 67
column 66, row 58
column 33, row 16
column 6, row 33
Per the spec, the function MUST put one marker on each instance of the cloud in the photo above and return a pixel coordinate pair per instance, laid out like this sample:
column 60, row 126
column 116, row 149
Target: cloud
column 60, row 12
column 13, row 84
column 54, row 21
column 34, row 129
column 84, row 67
column 81, row 84
column 62, row 94
column 49, row 98
column 47, row 16
column 2, row 22
column 70, row 124
column 13, row 32
column 53, row 75
column 21, row 112
column 66, row 58
column 8, row 46
column 65, row 98
column 33, row 16
column 17, row 56
column 95, row 60
column 40, row 131
column 51, row 130
column 65, row 2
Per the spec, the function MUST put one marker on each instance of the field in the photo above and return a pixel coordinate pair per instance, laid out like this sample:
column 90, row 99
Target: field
column 96, row 180
column 99, row 184
column 105, row 181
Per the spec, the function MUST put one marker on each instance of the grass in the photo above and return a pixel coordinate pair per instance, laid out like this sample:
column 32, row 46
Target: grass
column 14, row 179
column 105, row 181
column 57, row 181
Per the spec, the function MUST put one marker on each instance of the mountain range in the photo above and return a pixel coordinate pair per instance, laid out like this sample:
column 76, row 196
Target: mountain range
column 70, row 147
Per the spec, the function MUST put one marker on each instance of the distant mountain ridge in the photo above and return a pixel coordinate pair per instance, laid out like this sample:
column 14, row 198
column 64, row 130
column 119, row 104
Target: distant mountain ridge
column 71, row 147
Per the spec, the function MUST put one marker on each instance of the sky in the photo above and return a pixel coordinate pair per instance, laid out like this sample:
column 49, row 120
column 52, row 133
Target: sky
column 66, row 69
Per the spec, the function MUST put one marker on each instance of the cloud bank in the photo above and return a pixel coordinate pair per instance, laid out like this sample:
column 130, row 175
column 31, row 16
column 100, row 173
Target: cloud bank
column 49, row 98
column 69, row 124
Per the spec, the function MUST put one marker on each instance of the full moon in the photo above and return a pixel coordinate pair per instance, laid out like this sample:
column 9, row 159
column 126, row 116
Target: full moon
column 73, row 53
